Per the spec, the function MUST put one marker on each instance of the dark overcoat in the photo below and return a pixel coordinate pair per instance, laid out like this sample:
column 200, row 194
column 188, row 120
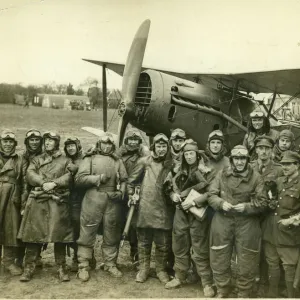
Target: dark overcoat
column 47, row 217
column 13, row 193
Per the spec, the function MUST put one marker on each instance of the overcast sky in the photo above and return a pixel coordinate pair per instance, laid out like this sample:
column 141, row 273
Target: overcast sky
column 44, row 41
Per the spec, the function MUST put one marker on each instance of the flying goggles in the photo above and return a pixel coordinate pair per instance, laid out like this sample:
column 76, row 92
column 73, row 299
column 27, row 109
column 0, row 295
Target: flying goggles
column 71, row 140
column 107, row 139
column 160, row 138
column 178, row 134
column 239, row 152
column 33, row 133
column 51, row 134
column 8, row 135
column 218, row 133
column 257, row 114
column 132, row 135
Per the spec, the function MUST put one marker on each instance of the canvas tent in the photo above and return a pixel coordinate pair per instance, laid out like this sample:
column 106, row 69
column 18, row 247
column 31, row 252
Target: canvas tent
column 60, row 101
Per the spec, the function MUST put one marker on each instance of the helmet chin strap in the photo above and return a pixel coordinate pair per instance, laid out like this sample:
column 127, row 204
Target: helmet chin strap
column 238, row 171
column 51, row 152
column 74, row 156
column 30, row 150
column 158, row 157
column 176, row 151
column 132, row 147
column 104, row 151
column 7, row 154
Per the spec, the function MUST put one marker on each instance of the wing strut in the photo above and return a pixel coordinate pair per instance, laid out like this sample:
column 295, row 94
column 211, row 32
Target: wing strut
column 104, row 93
column 234, row 108
column 272, row 103
column 285, row 103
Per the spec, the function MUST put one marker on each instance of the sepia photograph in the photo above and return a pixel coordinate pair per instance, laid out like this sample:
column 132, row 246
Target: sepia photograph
column 149, row 149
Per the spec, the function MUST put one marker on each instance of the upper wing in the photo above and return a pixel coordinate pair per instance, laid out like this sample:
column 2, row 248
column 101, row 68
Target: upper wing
column 118, row 68
column 283, row 81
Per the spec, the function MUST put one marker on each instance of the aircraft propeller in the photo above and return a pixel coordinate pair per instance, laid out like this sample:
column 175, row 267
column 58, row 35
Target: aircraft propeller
column 131, row 76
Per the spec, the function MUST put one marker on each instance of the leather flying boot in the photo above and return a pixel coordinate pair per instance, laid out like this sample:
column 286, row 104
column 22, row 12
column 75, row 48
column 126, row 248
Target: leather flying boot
column 83, row 274
column 290, row 289
column 39, row 263
column 173, row 284
column 93, row 262
column 62, row 274
column 208, row 291
column 273, row 286
column 74, row 265
column 163, row 277
column 28, row 272
column 27, row 275
column 113, row 271
column 142, row 276
column 14, row 270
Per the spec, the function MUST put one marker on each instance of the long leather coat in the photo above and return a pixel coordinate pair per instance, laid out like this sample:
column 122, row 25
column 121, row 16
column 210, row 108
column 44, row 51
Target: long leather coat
column 47, row 216
column 13, row 193
column 155, row 209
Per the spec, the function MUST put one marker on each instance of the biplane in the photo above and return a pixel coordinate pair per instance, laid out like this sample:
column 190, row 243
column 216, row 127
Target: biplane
column 158, row 100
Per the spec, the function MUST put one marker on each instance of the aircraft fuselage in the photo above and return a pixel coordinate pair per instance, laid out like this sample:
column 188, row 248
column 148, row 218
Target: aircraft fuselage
column 153, row 110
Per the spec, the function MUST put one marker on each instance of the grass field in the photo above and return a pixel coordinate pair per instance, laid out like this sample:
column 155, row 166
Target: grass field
column 45, row 284
column 65, row 122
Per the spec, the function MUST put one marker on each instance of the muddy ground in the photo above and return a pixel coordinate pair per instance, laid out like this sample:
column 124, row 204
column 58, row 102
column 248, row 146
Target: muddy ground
column 45, row 283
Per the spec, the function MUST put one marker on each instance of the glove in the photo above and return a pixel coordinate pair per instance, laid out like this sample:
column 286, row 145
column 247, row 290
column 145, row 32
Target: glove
column 133, row 200
column 187, row 204
column 226, row 206
column 271, row 187
column 48, row 186
column 104, row 178
column 294, row 220
column 72, row 169
column 116, row 196
column 285, row 222
column 238, row 207
column 175, row 198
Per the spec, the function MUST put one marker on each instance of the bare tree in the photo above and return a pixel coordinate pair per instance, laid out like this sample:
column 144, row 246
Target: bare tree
column 61, row 89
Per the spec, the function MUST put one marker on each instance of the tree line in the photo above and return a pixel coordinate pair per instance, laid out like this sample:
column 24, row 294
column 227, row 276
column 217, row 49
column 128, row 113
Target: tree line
column 8, row 91
column 88, row 87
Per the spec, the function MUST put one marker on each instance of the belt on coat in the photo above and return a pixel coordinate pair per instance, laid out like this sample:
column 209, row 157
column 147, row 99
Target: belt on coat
column 106, row 189
column 236, row 214
column 61, row 196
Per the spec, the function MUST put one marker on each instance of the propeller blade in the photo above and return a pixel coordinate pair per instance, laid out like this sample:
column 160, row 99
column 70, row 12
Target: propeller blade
column 134, row 62
column 99, row 132
column 131, row 75
column 121, row 130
